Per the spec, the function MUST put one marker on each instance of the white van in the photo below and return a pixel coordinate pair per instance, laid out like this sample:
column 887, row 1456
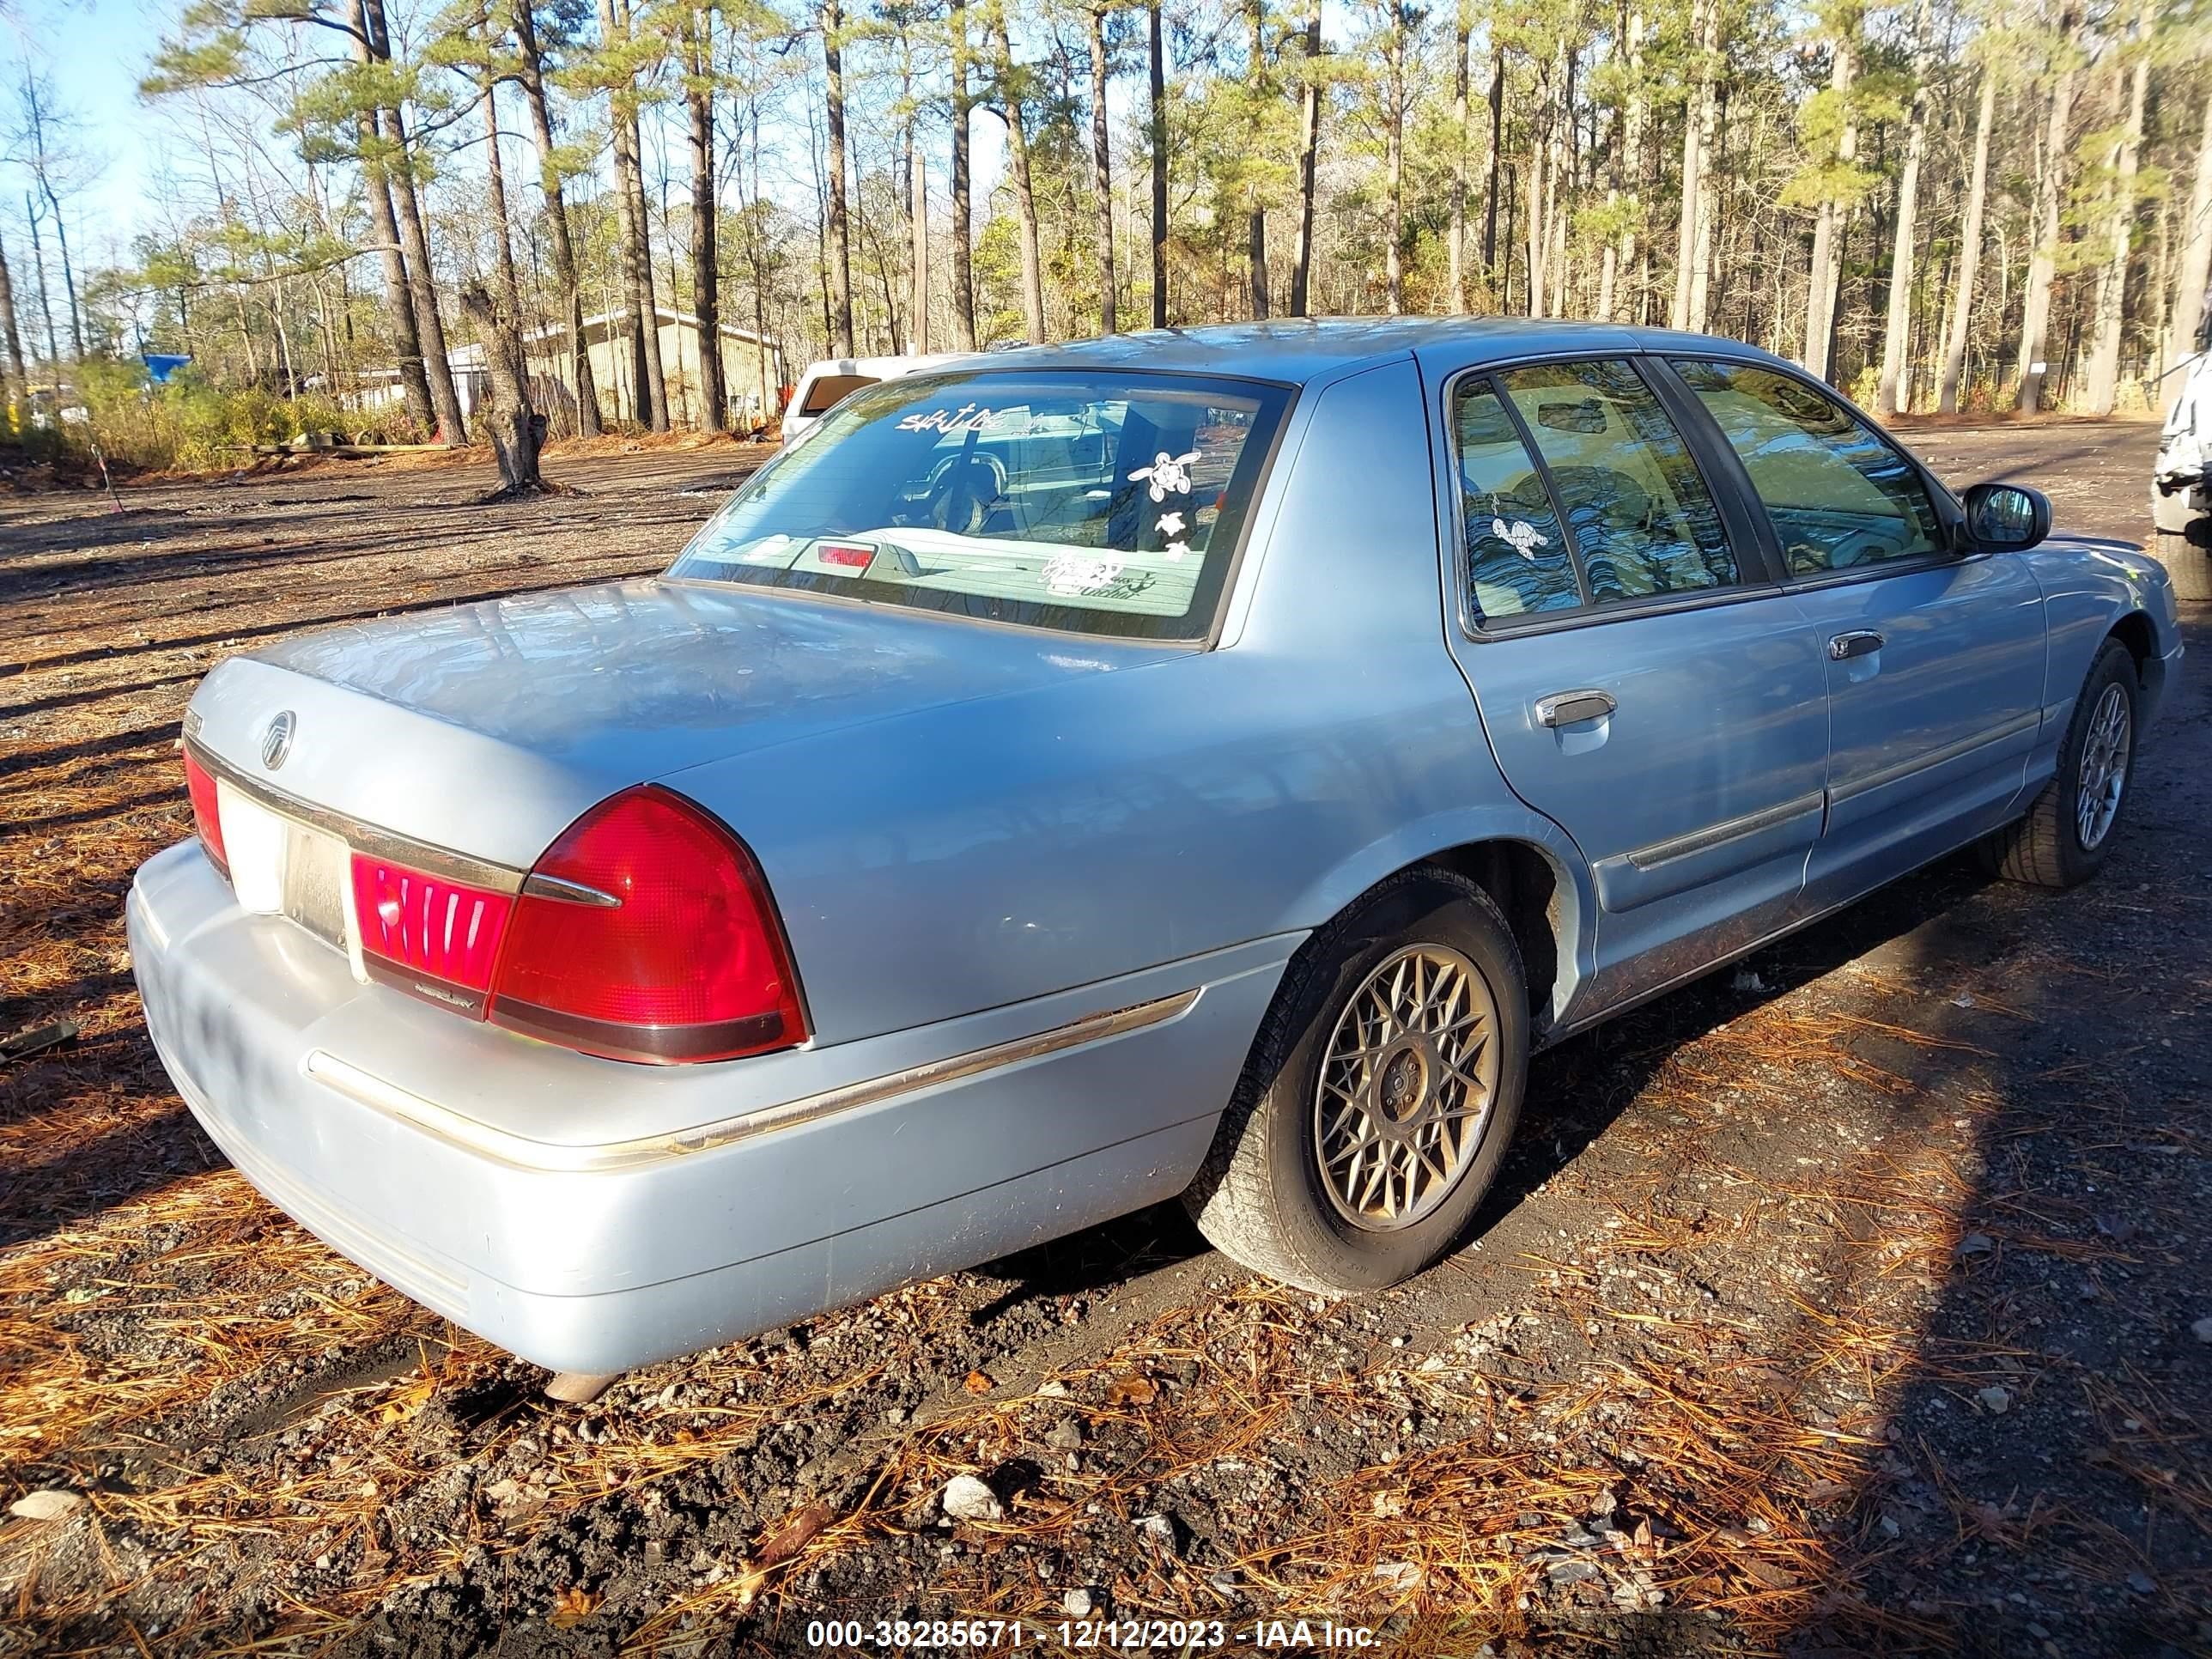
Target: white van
column 2181, row 480
column 828, row 382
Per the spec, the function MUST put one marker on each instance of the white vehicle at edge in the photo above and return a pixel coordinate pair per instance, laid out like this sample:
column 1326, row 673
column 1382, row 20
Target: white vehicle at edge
column 828, row 382
column 2181, row 480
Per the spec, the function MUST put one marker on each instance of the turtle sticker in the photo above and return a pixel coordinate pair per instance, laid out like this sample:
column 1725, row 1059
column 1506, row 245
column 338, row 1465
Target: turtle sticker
column 1523, row 537
column 1169, row 475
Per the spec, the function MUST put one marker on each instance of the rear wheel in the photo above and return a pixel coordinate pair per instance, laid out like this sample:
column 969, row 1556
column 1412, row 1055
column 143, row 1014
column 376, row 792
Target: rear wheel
column 2068, row 831
column 1380, row 1094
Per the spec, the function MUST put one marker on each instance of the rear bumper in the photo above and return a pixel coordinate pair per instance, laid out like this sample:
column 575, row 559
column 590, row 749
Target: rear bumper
column 399, row 1135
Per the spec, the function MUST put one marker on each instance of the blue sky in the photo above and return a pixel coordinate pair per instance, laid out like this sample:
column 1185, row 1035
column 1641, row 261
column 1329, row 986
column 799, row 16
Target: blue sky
column 97, row 51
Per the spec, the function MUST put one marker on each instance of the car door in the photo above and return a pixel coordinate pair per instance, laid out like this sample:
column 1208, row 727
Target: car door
column 1936, row 658
column 1642, row 678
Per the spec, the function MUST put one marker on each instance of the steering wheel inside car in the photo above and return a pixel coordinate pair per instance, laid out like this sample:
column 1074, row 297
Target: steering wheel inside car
column 961, row 489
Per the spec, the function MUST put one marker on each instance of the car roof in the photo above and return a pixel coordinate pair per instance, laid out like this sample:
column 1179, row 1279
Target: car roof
column 1300, row 349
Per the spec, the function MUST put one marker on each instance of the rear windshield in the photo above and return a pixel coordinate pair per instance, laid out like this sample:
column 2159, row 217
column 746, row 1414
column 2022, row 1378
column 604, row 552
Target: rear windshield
column 824, row 392
column 1090, row 503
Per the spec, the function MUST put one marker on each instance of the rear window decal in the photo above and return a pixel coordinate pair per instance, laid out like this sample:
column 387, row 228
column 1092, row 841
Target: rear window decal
column 1525, row 537
column 948, row 420
column 1169, row 474
column 1070, row 574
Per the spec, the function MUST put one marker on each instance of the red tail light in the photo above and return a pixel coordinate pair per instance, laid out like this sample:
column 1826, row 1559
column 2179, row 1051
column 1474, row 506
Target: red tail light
column 427, row 935
column 647, row 932
column 207, row 814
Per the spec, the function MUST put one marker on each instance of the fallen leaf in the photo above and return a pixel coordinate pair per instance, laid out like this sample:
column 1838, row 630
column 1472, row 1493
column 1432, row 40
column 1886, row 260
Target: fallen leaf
column 409, row 1400
column 1766, row 1573
column 1131, row 1391
column 979, row 1383
column 572, row 1607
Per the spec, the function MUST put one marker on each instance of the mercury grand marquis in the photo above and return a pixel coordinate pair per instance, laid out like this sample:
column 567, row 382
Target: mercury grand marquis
column 1205, row 763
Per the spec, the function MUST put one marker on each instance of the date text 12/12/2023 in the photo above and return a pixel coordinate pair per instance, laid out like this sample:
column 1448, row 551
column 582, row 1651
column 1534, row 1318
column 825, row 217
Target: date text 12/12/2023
column 1084, row 1635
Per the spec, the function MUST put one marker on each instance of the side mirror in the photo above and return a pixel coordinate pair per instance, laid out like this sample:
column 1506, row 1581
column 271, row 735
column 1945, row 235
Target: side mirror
column 2009, row 517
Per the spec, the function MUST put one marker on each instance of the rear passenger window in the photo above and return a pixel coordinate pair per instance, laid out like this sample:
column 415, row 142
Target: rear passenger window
column 1516, row 558
column 1838, row 497
column 1640, row 515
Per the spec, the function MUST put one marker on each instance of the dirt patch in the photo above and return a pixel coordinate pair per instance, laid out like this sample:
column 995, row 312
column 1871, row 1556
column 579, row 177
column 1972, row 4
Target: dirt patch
column 1847, row 1301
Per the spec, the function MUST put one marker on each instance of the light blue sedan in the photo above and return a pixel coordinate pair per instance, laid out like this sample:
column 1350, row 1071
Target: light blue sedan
column 1204, row 764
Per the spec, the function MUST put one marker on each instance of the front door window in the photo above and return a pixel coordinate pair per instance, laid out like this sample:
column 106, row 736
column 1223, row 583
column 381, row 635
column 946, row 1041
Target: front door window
column 1839, row 498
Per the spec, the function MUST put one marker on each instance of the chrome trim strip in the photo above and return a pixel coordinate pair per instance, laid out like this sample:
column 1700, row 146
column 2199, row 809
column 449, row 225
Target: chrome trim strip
column 1949, row 751
column 567, row 892
column 1714, row 835
column 431, row 860
column 551, row 1157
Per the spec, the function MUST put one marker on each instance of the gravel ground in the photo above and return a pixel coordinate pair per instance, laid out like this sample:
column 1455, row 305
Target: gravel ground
column 1853, row 1299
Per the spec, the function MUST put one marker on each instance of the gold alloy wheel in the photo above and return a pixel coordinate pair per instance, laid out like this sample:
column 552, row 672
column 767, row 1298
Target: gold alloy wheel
column 1407, row 1081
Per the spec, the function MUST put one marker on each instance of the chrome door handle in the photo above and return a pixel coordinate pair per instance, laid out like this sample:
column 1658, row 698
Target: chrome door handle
column 1859, row 643
column 1566, row 708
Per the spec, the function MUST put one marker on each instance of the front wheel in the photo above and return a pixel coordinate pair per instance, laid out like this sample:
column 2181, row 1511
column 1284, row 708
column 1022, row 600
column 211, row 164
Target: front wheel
column 1379, row 1095
column 2068, row 831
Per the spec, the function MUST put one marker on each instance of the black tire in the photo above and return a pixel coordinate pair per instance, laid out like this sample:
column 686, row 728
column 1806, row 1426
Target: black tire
column 1260, row 1197
column 2187, row 557
column 2044, row 848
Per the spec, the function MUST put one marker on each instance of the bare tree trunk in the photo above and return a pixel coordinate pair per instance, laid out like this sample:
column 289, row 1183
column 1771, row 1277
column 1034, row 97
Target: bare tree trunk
column 1540, row 174
column 706, row 231
column 1158, row 68
column 14, row 380
column 1827, row 253
column 1309, row 155
column 633, row 225
column 1630, row 173
column 2112, row 287
column 1709, row 175
column 964, row 281
column 399, row 297
column 1102, row 163
column 1490, row 272
column 1897, row 331
column 69, row 271
column 437, row 364
column 1462, row 32
column 2190, row 296
column 841, row 257
column 1686, row 238
column 1018, row 166
column 1394, row 259
column 508, row 419
column 1969, row 246
column 510, row 284
column 1255, row 20
column 531, row 73
column 422, row 285
column 918, row 302
column 2050, row 200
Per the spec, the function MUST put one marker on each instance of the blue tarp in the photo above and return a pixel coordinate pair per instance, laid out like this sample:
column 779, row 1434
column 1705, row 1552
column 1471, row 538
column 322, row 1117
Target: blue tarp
column 160, row 367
